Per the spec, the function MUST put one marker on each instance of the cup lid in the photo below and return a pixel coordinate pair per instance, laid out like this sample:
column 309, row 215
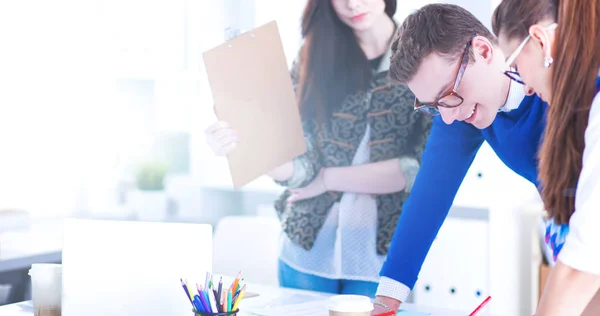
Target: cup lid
column 350, row 303
column 46, row 268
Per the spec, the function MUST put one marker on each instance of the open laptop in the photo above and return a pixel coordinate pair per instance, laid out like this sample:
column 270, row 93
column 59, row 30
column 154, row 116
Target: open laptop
column 132, row 268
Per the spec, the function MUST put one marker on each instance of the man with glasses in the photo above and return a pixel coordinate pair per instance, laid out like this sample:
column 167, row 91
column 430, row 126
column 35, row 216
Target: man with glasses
column 453, row 65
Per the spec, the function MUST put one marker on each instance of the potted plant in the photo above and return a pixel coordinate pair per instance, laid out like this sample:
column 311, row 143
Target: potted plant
column 149, row 200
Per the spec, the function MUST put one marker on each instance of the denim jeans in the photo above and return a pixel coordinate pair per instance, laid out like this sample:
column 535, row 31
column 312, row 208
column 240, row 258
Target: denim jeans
column 291, row 278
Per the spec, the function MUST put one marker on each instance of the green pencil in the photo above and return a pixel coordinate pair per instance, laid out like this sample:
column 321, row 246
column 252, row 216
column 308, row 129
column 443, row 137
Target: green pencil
column 229, row 301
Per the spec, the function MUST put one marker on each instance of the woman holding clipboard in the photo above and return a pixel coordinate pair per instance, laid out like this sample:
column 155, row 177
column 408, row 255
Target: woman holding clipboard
column 345, row 194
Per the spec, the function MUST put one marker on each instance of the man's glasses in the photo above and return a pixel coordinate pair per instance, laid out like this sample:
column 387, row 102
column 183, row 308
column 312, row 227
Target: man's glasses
column 513, row 74
column 451, row 98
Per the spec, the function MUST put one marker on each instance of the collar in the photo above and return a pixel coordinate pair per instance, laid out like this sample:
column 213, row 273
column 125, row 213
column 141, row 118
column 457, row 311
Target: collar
column 515, row 96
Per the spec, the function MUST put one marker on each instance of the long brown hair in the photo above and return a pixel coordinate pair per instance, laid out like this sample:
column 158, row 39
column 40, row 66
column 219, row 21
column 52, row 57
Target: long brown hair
column 332, row 64
column 577, row 55
column 577, row 59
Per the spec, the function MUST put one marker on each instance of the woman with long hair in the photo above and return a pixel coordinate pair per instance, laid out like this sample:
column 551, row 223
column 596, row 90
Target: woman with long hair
column 554, row 49
column 345, row 195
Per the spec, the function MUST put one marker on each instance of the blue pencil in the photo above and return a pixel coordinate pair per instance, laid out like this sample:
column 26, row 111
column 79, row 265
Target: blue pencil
column 198, row 304
column 187, row 292
column 204, row 302
column 206, row 296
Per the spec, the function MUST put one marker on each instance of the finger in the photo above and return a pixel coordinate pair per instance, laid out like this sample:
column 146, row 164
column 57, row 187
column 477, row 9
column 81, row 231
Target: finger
column 224, row 135
column 224, row 150
column 215, row 127
column 298, row 197
column 221, row 149
column 292, row 198
column 223, row 139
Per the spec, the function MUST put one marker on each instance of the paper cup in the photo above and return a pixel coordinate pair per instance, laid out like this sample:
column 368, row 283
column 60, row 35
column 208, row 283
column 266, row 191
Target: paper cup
column 46, row 289
column 350, row 305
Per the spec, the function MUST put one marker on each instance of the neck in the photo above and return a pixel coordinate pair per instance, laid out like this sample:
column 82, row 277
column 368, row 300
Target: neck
column 375, row 41
column 505, row 91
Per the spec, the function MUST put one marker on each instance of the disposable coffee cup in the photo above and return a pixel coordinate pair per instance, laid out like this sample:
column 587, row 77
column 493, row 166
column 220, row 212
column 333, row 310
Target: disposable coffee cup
column 350, row 305
column 46, row 289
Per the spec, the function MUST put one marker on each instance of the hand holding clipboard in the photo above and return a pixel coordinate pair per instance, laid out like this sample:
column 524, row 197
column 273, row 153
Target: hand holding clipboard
column 252, row 92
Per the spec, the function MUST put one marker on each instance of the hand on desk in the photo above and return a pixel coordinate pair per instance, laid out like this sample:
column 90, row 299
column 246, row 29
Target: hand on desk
column 393, row 304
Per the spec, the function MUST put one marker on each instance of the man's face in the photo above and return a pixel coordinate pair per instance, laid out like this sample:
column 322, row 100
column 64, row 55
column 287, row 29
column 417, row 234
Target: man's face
column 479, row 87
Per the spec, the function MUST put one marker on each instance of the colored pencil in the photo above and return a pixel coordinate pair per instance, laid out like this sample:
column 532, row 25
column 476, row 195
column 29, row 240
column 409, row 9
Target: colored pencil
column 473, row 313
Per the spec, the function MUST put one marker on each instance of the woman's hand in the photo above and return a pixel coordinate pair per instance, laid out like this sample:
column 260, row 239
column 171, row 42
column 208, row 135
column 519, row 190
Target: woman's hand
column 221, row 138
column 315, row 188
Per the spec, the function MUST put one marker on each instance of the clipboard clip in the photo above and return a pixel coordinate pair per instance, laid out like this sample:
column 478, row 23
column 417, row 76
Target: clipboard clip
column 231, row 33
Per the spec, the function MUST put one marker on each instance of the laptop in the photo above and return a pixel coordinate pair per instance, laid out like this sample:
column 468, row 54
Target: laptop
column 132, row 268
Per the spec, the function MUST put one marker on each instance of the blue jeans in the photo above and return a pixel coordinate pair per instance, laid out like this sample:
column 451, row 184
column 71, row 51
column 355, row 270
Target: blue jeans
column 291, row 278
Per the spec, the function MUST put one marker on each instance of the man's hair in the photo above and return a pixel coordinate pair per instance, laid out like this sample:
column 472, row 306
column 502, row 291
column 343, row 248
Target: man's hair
column 441, row 28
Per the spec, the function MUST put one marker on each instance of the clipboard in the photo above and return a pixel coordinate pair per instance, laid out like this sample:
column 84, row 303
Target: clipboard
column 252, row 91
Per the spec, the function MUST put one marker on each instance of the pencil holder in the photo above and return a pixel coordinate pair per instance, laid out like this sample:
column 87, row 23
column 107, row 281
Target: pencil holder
column 232, row 313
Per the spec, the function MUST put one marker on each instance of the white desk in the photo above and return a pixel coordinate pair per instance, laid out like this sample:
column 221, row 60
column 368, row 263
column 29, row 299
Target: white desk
column 43, row 243
column 268, row 295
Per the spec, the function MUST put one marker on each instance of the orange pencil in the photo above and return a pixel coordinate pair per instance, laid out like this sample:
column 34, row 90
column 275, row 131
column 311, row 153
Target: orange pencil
column 223, row 299
column 239, row 298
column 235, row 283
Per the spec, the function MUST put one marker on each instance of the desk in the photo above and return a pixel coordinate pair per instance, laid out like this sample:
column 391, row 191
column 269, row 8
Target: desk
column 42, row 242
column 268, row 295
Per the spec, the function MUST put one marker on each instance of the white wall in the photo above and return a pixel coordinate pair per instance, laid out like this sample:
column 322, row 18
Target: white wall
column 60, row 124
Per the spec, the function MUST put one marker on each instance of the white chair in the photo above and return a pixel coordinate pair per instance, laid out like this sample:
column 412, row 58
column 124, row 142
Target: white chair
column 249, row 244
column 266, row 210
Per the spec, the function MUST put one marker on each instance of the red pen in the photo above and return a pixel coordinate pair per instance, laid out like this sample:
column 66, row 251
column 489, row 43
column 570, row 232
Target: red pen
column 390, row 313
column 480, row 306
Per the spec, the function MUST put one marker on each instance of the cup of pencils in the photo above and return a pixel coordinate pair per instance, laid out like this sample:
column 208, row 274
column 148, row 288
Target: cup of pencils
column 215, row 299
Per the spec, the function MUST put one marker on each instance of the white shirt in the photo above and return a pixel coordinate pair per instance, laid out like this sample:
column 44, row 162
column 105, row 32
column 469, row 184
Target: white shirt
column 345, row 247
column 581, row 250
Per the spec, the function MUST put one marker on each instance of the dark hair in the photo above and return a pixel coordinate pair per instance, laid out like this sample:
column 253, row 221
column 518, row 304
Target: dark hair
column 440, row 28
column 332, row 64
column 514, row 17
column 574, row 73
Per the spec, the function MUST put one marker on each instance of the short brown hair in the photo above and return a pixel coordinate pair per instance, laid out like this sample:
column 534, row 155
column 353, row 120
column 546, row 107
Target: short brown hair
column 514, row 17
column 441, row 28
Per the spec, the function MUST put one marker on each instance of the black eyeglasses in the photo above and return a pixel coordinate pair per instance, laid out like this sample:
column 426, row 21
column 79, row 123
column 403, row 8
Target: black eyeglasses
column 514, row 75
column 451, row 98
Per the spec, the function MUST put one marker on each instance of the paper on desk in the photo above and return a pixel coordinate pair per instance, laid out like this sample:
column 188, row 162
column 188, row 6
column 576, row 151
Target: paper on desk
column 316, row 308
column 411, row 313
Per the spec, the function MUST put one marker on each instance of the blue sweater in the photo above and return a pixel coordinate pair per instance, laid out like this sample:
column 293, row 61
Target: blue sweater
column 514, row 136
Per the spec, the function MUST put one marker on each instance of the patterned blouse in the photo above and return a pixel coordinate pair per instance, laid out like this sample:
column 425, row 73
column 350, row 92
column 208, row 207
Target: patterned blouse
column 396, row 131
